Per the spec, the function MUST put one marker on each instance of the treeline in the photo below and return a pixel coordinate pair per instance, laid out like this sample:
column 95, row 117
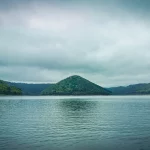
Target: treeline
column 135, row 89
column 30, row 88
column 6, row 89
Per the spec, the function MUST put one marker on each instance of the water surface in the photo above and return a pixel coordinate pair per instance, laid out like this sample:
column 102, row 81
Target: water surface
column 69, row 123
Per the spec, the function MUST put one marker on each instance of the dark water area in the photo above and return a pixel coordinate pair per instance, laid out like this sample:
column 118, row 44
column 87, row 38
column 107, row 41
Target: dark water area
column 70, row 123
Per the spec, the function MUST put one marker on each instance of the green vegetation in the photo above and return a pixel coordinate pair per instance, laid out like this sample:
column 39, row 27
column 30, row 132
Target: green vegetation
column 75, row 85
column 136, row 89
column 5, row 89
column 30, row 89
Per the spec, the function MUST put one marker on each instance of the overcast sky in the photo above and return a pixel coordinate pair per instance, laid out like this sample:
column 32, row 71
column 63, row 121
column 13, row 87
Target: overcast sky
column 105, row 41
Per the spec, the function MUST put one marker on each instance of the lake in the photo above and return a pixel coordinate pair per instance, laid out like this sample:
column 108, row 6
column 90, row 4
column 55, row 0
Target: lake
column 70, row 123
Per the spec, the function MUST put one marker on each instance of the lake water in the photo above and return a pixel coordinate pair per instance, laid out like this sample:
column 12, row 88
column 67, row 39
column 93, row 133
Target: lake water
column 70, row 123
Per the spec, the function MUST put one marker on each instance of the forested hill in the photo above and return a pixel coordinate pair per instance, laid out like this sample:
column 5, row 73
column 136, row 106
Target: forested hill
column 6, row 89
column 75, row 85
column 135, row 89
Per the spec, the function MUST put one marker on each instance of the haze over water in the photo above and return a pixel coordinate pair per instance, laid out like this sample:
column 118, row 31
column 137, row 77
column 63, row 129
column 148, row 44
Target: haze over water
column 68, row 123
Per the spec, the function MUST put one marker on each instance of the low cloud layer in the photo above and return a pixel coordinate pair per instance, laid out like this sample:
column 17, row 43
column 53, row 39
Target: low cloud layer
column 108, row 43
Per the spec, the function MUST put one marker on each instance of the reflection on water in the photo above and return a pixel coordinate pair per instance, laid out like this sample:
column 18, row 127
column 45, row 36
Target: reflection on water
column 48, row 123
column 77, row 113
column 77, row 105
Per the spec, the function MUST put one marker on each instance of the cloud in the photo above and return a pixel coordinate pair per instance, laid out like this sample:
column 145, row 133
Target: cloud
column 45, row 43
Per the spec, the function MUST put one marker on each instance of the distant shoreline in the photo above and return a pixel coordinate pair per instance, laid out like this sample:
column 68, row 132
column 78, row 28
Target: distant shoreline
column 72, row 95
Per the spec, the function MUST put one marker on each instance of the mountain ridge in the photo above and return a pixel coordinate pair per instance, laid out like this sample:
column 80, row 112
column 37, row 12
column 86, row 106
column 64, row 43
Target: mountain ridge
column 133, row 89
column 30, row 88
column 36, row 89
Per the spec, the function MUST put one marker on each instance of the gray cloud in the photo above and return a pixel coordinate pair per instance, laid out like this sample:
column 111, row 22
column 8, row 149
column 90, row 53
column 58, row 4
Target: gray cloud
column 45, row 43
